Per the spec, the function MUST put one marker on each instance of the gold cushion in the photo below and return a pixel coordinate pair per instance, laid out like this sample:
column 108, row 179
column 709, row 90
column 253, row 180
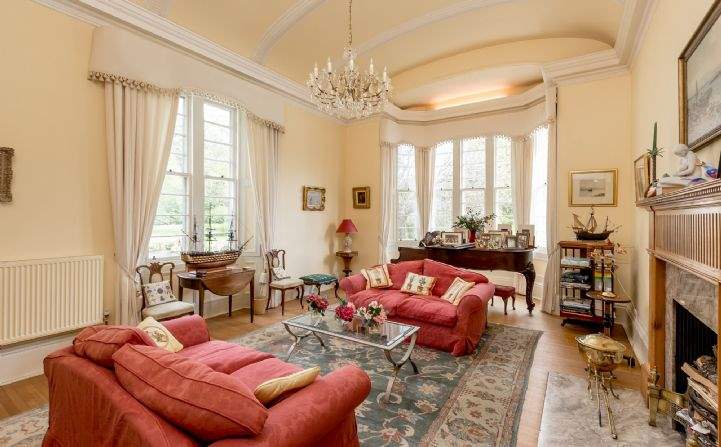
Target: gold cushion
column 160, row 335
column 269, row 390
column 456, row 291
column 418, row 284
column 377, row 277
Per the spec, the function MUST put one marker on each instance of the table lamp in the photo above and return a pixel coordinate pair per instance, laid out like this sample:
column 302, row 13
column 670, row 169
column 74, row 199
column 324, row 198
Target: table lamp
column 347, row 227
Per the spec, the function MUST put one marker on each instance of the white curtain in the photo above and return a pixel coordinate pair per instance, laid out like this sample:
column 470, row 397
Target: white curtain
column 263, row 144
column 521, row 175
column 139, row 120
column 387, row 238
column 424, row 186
column 551, row 277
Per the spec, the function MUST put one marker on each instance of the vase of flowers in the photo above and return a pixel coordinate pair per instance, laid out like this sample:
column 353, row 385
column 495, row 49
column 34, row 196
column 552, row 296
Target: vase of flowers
column 317, row 305
column 372, row 316
column 344, row 312
column 474, row 222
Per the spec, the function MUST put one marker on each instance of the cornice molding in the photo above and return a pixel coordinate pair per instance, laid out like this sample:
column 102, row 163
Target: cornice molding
column 281, row 26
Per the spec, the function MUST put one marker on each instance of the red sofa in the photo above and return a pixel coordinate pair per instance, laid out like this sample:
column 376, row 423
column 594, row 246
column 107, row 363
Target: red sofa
column 89, row 407
column 456, row 329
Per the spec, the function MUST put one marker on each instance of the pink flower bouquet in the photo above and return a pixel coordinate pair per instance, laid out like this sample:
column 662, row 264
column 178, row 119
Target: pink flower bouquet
column 317, row 304
column 373, row 315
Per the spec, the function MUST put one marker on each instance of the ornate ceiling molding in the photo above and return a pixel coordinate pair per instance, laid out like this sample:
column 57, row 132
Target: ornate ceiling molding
column 281, row 26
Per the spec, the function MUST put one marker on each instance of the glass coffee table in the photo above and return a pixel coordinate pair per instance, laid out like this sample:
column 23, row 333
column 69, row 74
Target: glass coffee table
column 385, row 338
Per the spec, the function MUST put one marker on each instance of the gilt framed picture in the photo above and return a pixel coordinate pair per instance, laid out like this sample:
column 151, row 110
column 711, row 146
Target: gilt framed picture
column 699, row 83
column 593, row 188
column 6, row 174
column 313, row 198
column 642, row 175
column 362, row 197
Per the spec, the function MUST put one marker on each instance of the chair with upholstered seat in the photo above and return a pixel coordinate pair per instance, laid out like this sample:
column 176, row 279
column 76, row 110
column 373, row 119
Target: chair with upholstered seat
column 279, row 280
column 159, row 301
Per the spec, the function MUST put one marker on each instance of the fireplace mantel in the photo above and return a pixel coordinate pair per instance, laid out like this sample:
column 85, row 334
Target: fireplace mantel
column 685, row 231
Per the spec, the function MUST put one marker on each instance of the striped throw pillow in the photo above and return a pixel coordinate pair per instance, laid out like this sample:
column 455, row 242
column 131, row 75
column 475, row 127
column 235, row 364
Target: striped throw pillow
column 418, row 284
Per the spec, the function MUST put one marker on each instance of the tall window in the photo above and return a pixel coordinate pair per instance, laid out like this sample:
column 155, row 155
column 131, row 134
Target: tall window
column 407, row 206
column 442, row 211
column 473, row 175
column 539, row 185
column 502, row 196
column 205, row 170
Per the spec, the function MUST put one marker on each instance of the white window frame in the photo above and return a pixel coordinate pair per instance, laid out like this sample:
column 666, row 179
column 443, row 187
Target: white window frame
column 196, row 176
column 405, row 242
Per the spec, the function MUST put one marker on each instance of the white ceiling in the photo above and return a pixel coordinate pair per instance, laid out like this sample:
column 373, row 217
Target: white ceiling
column 439, row 52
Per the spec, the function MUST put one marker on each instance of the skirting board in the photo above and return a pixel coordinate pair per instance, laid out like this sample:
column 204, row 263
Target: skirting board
column 636, row 332
column 26, row 360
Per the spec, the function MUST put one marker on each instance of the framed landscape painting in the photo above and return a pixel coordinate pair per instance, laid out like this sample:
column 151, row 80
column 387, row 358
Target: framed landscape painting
column 313, row 198
column 593, row 188
column 699, row 79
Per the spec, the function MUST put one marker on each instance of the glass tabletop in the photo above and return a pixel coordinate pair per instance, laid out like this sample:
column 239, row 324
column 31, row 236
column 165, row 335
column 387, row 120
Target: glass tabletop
column 388, row 336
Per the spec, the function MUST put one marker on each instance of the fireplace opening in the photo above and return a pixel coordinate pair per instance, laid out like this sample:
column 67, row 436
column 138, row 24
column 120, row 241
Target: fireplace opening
column 693, row 339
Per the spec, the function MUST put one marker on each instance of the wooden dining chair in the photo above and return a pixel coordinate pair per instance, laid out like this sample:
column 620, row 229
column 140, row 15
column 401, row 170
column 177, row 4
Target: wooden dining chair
column 159, row 301
column 279, row 280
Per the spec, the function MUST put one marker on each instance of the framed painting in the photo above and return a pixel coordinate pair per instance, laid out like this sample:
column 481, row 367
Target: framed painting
column 593, row 188
column 362, row 197
column 452, row 238
column 6, row 174
column 642, row 175
column 699, row 83
column 313, row 198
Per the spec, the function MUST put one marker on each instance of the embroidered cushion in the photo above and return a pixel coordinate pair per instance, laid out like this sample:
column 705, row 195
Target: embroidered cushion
column 208, row 404
column 280, row 273
column 162, row 337
column 457, row 289
column 418, row 284
column 158, row 293
column 377, row 277
column 270, row 390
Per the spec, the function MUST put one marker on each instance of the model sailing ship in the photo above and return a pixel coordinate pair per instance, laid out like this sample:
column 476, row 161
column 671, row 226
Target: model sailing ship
column 587, row 231
column 205, row 261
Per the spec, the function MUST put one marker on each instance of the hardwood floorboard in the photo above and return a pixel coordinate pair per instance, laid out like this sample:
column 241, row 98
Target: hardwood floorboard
column 556, row 352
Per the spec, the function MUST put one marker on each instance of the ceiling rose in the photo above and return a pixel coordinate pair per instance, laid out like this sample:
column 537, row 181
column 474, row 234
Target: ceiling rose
column 349, row 93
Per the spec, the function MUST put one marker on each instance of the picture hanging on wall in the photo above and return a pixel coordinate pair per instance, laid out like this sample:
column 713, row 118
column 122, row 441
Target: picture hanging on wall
column 313, row 198
column 642, row 175
column 362, row 197
column 593, row 188
column 699, row 83
column 6, row 174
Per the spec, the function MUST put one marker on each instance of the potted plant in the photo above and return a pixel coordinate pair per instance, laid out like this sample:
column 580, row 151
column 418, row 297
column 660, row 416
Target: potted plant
column 473, row 221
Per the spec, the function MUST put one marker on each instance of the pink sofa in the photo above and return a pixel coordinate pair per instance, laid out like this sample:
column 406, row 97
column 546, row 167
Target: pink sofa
column 456, row 329
column 89, row 407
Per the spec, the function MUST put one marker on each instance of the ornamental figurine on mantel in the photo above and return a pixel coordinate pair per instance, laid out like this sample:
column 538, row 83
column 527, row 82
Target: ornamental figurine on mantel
column 689, row 170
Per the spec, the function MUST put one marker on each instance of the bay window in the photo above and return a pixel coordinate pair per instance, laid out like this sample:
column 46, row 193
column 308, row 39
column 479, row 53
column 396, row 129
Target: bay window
column 407, row 219
column 206, row 183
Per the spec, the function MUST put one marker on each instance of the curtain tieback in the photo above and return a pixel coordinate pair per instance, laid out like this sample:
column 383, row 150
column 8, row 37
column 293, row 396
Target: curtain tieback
column 132, row 275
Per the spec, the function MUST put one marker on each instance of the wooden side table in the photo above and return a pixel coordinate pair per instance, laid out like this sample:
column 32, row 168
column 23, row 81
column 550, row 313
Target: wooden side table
column 347, row 257
column 227, row 282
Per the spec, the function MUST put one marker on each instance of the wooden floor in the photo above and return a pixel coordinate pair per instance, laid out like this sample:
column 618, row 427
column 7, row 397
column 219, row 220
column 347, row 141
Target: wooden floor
column 556, row 352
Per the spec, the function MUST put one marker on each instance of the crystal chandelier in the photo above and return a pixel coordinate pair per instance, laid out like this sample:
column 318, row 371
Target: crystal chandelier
column 349, row 93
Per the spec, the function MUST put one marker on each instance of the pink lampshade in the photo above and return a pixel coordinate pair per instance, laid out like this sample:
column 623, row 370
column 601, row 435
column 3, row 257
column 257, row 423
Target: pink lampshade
column 347, row 226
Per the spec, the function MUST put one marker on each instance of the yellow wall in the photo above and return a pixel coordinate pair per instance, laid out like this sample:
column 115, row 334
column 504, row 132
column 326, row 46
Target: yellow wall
column 55, row 120
column 654, row 86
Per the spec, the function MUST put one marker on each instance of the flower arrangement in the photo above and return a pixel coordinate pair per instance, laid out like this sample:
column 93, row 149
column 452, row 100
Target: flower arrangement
column 474, row 222
column 373, row 315
column 317, row 304
column 345, row 312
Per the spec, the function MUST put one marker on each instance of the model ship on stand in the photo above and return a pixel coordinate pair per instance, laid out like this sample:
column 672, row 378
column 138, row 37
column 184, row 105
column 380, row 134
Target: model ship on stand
column 587, row 231
column 207, row 261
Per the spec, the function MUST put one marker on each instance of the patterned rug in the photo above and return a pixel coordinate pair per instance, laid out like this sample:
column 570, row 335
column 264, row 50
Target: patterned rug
column 570, row 418
column 474, row 400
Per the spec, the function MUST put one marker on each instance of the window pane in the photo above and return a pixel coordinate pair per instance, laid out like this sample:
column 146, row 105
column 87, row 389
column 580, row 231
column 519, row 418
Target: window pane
column 503, row 162
column 407, row 216
column 539, row 188
column 217, row 169
column 165, row 247
column 214, row 151
column 171, row 205
column 442, row 210
column 504, row 206
column 473, row 163
column 168, row 226
column 218, row 188
column 443, row 166
column 407, row 207
column 177, row 163
column 473, row 200
column 180, row 124
column 218, row 134
column 406, row 168
column 217, row 114
column 174, row 184
column 217, row 208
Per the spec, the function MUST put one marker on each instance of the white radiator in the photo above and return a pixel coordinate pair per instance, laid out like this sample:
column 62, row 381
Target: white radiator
column 49, row 296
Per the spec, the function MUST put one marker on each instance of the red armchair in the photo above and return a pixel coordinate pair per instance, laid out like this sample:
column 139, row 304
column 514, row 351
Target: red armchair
column 456, row 329
column 89, row 407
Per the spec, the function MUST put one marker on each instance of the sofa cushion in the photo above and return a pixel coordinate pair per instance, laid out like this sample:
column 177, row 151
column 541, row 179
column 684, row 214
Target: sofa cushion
column 399, row 271
column 418, row 284
column 222, row 356
column 377, row 277
column 162, row 337
column 390, row 299
column 256, row 373
column 99, row 343
column 445, row 275
column 430, row 309
column 272, row 389
column 456, row 291
column 208, row 404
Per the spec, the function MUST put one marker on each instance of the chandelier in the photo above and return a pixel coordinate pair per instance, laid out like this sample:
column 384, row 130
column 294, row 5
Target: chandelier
column 349, row 93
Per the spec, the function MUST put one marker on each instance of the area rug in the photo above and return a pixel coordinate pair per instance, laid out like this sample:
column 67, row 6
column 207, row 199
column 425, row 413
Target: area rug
column 570, row 418
column 475, row 400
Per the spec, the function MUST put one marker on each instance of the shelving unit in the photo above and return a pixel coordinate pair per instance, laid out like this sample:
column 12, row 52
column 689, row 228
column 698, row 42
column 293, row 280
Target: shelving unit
column 578, row 272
